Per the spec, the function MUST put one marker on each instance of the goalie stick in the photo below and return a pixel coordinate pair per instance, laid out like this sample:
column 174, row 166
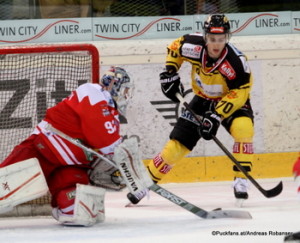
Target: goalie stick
column 215, row 214
column 267, row 193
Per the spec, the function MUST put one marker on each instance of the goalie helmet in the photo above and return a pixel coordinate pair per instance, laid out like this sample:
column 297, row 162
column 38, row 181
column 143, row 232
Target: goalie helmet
column 216, row 24
column 117, row 81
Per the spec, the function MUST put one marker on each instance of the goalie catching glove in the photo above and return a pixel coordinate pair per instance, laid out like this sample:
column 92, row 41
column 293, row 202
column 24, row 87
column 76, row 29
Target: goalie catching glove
column 170, row 85
column 106, row 176
column 210, row 124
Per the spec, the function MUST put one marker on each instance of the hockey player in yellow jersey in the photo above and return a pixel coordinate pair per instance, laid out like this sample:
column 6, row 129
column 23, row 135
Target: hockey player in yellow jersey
column 221, row 81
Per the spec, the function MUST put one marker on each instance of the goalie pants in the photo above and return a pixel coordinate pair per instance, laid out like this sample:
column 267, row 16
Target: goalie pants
column 185, row 136
column 61, row 179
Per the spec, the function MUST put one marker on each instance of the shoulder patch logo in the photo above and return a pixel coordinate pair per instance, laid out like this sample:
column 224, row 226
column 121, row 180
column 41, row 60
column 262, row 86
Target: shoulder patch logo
column 190, row 50
column 227, row 70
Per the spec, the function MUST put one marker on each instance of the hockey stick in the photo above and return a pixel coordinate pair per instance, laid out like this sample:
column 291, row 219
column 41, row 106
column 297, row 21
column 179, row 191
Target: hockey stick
column 215, row 214
column 267, row 193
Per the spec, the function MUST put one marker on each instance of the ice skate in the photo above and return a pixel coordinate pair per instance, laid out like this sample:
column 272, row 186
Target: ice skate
column 240, row 186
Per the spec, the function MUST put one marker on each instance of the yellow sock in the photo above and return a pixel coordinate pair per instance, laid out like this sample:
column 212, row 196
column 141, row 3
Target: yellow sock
column 172, row 152
column 242, row 131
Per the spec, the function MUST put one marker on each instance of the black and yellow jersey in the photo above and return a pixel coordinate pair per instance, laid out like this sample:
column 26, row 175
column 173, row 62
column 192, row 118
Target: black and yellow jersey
column 227, row 80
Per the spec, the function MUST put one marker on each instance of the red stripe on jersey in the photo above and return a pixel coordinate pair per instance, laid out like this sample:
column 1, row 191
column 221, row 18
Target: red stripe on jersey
column 66, row 149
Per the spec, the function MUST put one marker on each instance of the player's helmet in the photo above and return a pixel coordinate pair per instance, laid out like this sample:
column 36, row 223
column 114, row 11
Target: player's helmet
column 117, row 81
column 216, row 24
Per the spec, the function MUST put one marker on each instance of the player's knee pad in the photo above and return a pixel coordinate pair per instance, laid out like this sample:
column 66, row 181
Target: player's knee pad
column 163, row 162
column 84, row 208
column 66, row 177
column 242, row 129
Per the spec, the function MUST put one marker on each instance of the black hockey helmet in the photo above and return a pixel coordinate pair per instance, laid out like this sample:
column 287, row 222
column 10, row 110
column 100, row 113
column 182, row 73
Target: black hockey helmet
column 216, row 24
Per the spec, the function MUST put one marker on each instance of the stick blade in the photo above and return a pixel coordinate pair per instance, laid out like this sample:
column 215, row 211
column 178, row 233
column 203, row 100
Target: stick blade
column 275, row 191
column 217, row 214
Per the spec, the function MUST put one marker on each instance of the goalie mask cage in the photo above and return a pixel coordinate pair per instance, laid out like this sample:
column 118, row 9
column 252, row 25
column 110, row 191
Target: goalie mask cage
column 32, row 79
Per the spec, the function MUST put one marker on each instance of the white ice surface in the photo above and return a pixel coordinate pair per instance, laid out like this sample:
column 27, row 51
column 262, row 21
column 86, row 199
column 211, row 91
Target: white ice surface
column 158, row 220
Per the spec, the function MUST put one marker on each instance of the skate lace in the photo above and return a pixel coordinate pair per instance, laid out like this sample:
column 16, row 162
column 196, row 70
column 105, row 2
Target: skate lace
column 240, row 184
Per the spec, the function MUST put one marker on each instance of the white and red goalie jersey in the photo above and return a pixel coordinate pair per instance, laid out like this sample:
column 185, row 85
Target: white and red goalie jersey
column 89, row 114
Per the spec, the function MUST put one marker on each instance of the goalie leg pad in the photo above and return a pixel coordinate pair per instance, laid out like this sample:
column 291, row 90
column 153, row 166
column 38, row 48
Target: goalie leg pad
column 88, row 207
column 21, row 182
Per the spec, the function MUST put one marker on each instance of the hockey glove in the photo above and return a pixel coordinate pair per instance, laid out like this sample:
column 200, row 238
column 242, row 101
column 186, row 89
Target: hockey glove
column 210, row 124
column 105, row 175
column 170, row 85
